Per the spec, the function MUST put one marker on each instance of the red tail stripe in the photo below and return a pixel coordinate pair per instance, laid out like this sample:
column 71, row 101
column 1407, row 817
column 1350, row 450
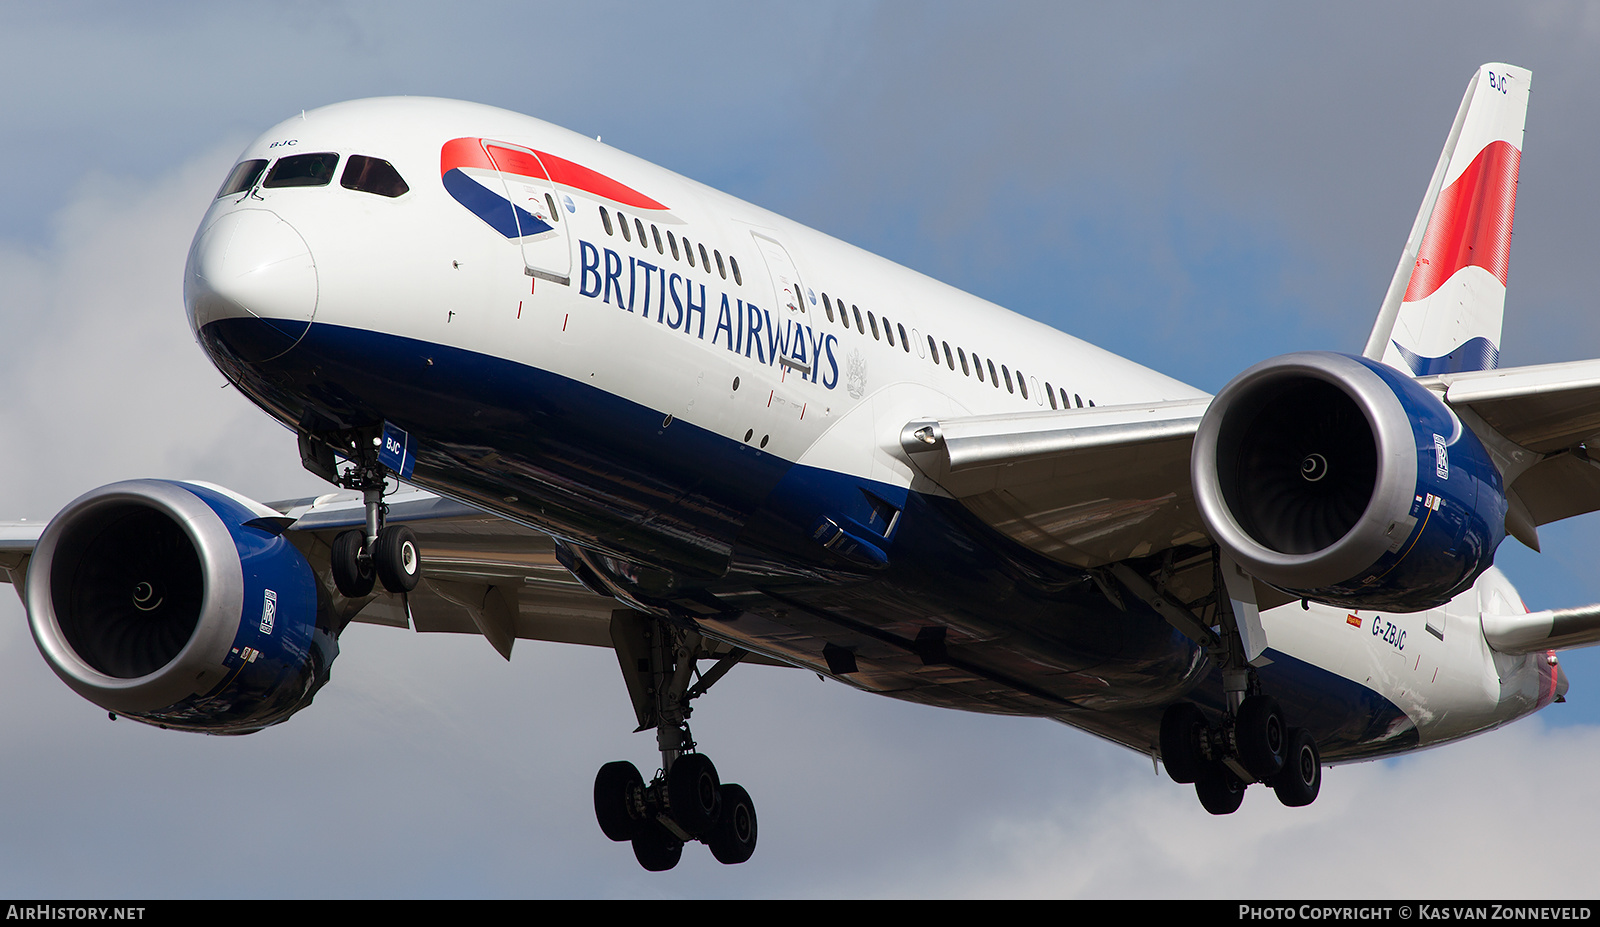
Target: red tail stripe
column 468, row 152
column 1471, row 222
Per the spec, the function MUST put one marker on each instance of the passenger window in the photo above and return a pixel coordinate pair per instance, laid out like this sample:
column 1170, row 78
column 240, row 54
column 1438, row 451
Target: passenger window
column 673, row 242
column 827, row 306
column 1022, row 384
column 1007, row 374
column 555, row 214
column 904, row 344
column 622, row 221
column 1051, row 393
column 992, row 377
column 656, row 234
column 688, row 251
column 933, row 349
column 705, row 261
column 978, row 364
column 605, row 220
column 307, row 170
column 874, row 320
column 888, row 333
column 963, row 355
column 948, row 357
column 243, row 176
column 639, row 226
column 720, row 269
column 739, row 280
column 373, row 175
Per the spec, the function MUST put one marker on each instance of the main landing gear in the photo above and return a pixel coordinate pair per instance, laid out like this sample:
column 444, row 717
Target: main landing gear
column 1253, row 741
column 1252, row 745
column 686, row 800
column 378, row 552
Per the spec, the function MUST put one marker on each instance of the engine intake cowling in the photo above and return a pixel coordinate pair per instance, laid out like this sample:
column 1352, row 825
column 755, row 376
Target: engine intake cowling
column 1339, row 479
column 179, row 605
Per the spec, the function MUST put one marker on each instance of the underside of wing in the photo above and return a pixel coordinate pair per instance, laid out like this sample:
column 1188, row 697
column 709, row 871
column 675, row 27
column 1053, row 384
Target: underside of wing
column 1088, row 487
column 481, row 574
column 1541, row 423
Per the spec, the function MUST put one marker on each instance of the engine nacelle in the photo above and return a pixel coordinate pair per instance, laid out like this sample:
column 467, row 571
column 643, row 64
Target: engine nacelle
column 179, row 605
column 1339, row 479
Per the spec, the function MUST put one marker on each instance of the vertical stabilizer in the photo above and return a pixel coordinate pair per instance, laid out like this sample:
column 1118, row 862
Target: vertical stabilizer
column 1444, row 308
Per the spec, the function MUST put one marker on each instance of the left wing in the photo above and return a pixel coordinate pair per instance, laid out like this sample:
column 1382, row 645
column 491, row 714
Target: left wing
column 481, row 573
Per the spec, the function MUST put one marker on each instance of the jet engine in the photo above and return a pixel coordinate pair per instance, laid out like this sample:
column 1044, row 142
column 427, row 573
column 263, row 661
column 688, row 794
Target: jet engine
column 1339, row 479
column 180, row 605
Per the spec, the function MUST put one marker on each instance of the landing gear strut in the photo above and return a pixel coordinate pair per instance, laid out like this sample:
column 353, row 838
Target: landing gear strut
column 686, row 800
column 1252, row 742
column 378, row 552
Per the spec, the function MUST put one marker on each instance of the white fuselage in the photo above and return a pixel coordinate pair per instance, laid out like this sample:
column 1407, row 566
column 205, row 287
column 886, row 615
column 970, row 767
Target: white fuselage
column 767, row 366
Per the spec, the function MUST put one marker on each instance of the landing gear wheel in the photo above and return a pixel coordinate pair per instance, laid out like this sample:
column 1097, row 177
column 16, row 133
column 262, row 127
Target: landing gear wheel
column 1263, row 737
column 395, row 558
column 656, row 848
column 616, row 790
column 734, row 838
column 1301, row 779
column 694, row 793
column 1182, row 728
column 352, row 574
column 1219, row 789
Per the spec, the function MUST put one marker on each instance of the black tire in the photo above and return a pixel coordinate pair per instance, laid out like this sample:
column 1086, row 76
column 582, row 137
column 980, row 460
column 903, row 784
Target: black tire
column 352, row 575
column 1263, row 737
column 733, row 840
column 1182, row 729
column 694, row 793
column 616, row 790
column 1220, row 791
column 1301, row 779
column 656, row 848
column 396, row 559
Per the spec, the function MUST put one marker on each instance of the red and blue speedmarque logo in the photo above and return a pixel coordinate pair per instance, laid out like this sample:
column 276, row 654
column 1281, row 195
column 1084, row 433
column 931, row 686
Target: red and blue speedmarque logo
column 476, row 170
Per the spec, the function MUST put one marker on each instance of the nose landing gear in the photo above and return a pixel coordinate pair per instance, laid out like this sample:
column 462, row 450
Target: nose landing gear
column 686, row 800
column 363, row 557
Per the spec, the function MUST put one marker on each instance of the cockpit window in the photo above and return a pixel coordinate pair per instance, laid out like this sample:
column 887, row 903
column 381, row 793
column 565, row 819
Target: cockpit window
column 243, row 176
column 372, row 175
column 307, row 170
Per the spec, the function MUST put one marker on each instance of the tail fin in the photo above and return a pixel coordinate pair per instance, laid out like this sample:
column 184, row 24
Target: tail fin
column 1445, row 305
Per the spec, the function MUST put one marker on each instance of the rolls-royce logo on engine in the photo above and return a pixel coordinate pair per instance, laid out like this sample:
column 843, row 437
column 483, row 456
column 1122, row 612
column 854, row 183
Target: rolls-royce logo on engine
column 269, row 611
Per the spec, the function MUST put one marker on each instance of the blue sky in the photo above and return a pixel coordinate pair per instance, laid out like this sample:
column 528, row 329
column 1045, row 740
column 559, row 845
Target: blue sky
column 1196, row 188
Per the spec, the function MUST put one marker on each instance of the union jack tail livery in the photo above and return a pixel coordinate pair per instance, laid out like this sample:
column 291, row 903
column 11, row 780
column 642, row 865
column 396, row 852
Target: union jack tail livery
column 1444, row 308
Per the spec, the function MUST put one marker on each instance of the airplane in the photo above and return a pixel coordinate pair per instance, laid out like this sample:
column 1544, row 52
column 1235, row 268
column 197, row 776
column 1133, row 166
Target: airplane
column 532, row 367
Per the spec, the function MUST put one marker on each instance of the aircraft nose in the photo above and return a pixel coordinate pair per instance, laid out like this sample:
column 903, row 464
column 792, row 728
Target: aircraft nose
column 251, row 285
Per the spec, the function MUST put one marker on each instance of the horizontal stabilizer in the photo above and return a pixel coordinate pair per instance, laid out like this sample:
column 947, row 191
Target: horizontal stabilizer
column 1552, row 629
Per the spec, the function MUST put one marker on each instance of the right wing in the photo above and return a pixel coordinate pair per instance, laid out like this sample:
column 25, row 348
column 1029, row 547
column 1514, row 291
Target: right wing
column 1087, row 487
column 1539, row 422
